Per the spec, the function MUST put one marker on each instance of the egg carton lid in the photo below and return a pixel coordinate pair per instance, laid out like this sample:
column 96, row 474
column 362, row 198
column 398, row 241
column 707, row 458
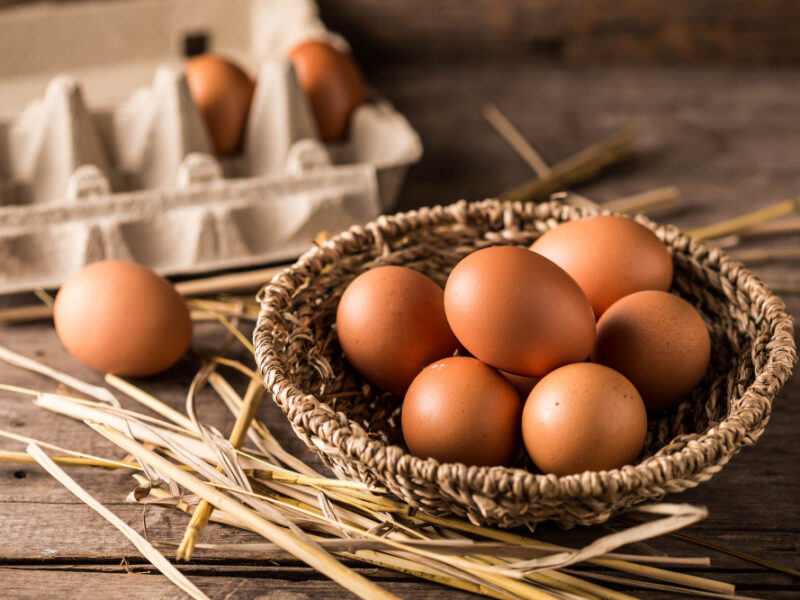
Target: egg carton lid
column 137, row 181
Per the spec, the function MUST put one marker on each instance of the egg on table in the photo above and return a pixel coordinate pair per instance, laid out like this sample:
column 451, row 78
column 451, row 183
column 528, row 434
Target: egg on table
column 122, row 318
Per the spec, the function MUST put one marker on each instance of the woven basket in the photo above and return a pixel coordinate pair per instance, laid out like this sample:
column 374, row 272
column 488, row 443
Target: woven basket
column 355, row 428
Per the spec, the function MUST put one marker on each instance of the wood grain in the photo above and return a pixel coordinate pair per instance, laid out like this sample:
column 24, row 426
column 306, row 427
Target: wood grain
column 575, row 31
column 270, row 583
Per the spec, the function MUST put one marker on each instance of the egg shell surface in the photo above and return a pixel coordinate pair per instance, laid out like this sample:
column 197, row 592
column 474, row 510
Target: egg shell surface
column 583, row 417
column 333, row 83
column 518, row 311
column 461, row 410
column 122, row 318
column 223, row 93
column 610, row 257
column 391, row 324
column 658, row 341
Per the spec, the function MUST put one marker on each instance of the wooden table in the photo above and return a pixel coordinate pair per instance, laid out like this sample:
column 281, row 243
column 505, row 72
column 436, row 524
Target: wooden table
column 730, row 139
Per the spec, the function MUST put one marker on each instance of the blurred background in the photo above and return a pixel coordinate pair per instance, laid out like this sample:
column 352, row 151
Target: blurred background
column 716, row 83
column 713, row 86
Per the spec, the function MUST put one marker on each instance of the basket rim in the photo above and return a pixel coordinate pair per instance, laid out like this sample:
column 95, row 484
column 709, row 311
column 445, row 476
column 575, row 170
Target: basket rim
column 708, row 449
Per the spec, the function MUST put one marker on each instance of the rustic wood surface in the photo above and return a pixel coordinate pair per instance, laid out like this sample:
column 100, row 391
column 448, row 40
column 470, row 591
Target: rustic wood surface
column 575, row 31
column 728, row 138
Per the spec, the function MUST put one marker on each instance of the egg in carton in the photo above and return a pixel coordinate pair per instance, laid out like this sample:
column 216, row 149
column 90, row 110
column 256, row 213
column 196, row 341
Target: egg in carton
column 141, row 182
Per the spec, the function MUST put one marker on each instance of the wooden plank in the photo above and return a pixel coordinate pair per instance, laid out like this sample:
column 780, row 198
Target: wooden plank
column 282, row 583
column 45, row 540
column 272, row 584
column 578, row 31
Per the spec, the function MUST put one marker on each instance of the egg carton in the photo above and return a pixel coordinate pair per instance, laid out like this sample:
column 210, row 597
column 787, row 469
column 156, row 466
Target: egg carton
column 139, row 180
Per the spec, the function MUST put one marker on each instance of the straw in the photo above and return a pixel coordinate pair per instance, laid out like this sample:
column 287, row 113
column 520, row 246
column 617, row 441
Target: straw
column 313, row 556
column 252, row 401
column 147, row 550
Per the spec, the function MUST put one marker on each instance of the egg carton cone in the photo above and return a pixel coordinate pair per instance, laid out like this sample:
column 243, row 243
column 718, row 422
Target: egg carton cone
column 50, row 141
column 138, row 180
column 155, row 129
column 280, row 106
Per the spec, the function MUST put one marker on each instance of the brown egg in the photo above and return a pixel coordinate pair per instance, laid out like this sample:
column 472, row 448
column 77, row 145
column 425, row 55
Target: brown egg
column 609, row 257
column 658, row 341
column 223, row 93
column 333, row 84
column 121, row 318
column 391, row 324
column 461, row 410
column 517, row 311
column 583, row 417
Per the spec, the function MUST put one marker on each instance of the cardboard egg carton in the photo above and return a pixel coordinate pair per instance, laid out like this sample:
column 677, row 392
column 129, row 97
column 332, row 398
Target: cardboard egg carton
column 139, row 181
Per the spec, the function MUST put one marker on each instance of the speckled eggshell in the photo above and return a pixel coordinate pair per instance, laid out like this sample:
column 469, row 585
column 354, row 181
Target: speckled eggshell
column 122, row 318
column 583, row 417
column 333, row 83
column 460, row 410
column 518, row 311
column 610, row 257
column 391, row 324
column 223, row 93
column 659, row 342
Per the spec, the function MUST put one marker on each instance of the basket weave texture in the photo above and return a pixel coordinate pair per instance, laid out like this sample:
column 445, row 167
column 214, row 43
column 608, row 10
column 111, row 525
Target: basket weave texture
column 355, row 428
